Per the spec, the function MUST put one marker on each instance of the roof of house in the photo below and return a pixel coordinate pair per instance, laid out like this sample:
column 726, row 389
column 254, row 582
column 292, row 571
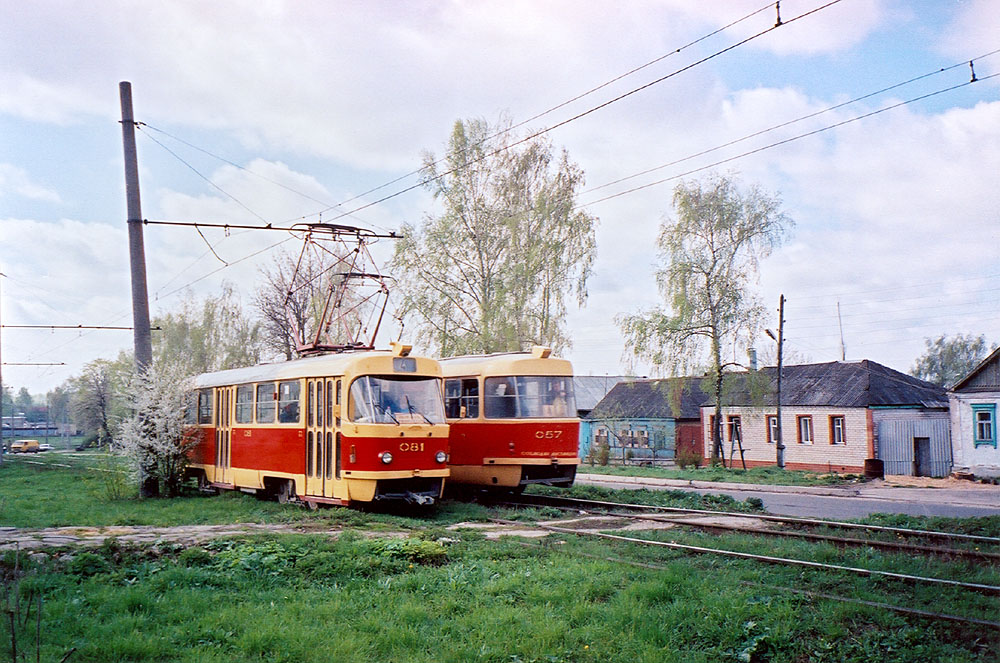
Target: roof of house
column 832, row 384
column 590, row 389
column 838, row 384
column 984, row 377
column 669, row 398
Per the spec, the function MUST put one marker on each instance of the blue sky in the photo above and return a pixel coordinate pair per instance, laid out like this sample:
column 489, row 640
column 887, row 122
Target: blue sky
column 897, row 215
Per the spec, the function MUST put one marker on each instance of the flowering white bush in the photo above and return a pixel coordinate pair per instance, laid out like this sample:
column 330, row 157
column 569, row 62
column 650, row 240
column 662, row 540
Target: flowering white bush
column 155, row 437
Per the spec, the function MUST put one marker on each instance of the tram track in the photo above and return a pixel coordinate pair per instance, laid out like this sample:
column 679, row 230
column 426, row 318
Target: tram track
column 682, row 517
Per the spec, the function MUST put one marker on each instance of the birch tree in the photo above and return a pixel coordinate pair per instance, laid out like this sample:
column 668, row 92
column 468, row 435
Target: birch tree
column 156, row 437
column 947, row 360
column 211, row 334
column 709, row 256
column 493, row 270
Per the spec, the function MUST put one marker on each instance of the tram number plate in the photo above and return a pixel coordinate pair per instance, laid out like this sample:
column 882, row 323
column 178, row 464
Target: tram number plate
column 548, row 434
column 411, row 446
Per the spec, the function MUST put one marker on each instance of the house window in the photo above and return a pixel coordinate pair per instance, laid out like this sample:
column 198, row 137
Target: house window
column 984, row 418
column 805, row 429
column 837, row 430
column 772, row 428
column 734, row 430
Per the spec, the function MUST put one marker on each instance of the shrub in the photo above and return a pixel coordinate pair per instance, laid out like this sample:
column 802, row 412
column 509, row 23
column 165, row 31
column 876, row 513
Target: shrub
column 195, row 557
column 88, row 564
column 686, row 459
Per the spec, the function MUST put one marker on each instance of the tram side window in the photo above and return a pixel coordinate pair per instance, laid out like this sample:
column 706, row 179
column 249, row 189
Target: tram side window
column 244, row 404
column 288, row 401
column 529, row 396
column 501, row 400
column 461, row 398
column 266, row 395
column 205, row 406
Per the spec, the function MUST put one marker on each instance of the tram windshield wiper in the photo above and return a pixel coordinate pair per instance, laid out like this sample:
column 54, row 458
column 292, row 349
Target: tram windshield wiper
column 388, row 411
column 409, row 408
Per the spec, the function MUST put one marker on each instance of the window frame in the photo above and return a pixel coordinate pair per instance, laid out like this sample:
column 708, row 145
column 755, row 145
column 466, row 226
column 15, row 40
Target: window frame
column 266, row 409
column 244, row 407
column 771, row 421
column 205, row 403
column 991, row 410
column 805, row 419
column 283, row 404
column 834, row 419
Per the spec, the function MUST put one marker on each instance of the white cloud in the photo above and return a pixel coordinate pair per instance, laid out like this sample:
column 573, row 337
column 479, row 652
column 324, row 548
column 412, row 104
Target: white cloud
column 14, row 180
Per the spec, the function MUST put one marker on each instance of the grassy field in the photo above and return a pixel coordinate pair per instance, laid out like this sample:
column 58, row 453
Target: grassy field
column 757, row 475
column 450, row 595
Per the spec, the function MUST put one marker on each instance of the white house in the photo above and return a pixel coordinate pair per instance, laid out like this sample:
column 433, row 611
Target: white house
column 973, row 403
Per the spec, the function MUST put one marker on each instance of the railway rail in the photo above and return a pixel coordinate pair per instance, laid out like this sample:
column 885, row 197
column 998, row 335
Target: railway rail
column 654, row 513
column 615, row 510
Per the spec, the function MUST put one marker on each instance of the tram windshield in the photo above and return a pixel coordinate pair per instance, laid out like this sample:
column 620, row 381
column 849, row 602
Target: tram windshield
column 528, row 397
column 396, row 400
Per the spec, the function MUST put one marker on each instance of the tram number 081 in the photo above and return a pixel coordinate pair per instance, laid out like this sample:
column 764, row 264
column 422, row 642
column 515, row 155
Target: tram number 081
column 411, row 446
column 548, row 434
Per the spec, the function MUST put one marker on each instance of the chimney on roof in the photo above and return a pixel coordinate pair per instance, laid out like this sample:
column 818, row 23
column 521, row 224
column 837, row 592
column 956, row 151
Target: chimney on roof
column 753, row 358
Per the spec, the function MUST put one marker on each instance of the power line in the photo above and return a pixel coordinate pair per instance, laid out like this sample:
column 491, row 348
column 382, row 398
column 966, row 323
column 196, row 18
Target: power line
column 786, row 141
column 782, row 125
column 71, row 327
column 587, row 112
column 558, row 106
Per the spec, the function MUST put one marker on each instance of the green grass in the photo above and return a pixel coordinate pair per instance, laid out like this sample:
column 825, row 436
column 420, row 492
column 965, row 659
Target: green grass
column 450, row 596
column 301, row 598
column 756, row 475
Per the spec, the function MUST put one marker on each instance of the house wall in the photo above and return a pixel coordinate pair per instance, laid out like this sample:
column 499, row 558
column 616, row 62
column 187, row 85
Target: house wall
column 628, row 440
column 689, row 437
column 820, row 456
column 982, row 460
column 896, row 430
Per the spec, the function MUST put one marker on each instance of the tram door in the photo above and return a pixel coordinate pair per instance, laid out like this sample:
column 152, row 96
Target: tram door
column 223, row 428
column 319, row 454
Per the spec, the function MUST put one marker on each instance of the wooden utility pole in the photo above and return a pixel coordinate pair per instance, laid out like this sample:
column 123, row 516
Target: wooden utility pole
column 780, row 443
column 136, row 250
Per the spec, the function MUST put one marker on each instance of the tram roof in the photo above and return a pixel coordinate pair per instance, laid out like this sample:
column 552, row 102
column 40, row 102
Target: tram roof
column 322, row 365
column 535, row 362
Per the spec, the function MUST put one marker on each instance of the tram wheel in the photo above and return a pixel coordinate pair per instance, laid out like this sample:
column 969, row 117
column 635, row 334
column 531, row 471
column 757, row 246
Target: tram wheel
column 285, row 492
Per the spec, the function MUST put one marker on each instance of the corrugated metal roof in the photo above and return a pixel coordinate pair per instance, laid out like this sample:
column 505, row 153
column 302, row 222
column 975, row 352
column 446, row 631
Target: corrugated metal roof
column 590, row 389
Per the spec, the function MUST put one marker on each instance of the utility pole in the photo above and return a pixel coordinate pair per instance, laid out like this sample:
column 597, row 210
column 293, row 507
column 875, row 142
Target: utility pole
column 136, row 250
column 2, row 447
column 148, row 487
column 780, row 442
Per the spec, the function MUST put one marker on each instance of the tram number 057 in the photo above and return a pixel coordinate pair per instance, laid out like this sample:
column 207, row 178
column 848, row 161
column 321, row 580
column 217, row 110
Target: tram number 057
column 411, row 446
column 548, row 434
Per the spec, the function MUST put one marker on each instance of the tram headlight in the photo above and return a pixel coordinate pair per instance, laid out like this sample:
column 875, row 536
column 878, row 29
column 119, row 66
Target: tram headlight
column 385, row 457
column 440, row 456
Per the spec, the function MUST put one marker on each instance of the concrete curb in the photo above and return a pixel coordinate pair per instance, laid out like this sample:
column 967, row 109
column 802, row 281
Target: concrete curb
column 831, row 491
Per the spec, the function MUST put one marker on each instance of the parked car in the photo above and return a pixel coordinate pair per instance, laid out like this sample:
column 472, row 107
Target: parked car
column 44, row 447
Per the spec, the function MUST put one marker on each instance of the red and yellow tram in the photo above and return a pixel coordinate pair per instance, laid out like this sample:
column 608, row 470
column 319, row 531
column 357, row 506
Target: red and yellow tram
column 512, row 419
column 333, row 429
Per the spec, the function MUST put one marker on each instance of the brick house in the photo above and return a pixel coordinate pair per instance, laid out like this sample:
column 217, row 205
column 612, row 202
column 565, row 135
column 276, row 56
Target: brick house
column 973, row 402
column 834, row 417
